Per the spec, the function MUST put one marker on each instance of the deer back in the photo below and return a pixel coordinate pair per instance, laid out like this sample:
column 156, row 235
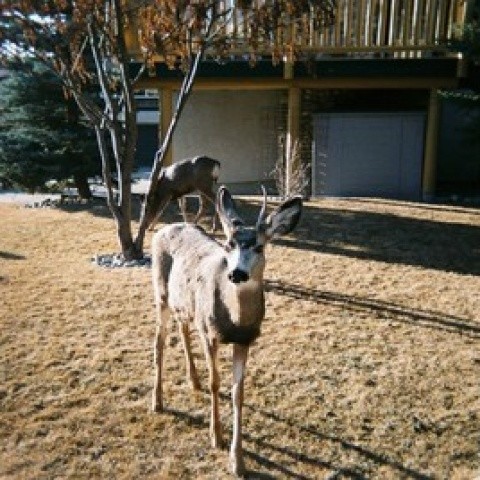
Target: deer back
column 187, row 176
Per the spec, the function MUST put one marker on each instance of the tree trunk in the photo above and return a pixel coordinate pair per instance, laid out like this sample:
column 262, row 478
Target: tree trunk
column 142, row 229
column 125, row 239
column 123, row 214
column 83, row 187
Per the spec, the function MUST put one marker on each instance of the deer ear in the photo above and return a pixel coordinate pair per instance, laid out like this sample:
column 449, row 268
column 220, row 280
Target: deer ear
column 227, row 211
column 284, row 218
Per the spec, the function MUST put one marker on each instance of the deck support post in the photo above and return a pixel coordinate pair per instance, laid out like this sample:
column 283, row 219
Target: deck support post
column 293, row 134
column 431, row 146
column 165, row 96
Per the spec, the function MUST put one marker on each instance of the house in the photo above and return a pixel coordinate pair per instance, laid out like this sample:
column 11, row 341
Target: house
column 362, row 105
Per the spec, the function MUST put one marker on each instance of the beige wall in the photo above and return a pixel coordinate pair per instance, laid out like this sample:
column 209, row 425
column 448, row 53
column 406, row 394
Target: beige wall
column 238, row 128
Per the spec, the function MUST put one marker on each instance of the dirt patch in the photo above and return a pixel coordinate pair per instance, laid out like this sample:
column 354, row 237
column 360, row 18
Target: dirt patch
column 368, row 365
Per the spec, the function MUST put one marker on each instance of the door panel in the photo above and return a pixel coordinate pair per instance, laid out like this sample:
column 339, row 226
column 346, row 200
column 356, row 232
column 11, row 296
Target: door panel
column 368, row 155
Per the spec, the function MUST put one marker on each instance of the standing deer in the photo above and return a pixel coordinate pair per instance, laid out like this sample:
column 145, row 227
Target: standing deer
column 219, row 288
column 198, row 174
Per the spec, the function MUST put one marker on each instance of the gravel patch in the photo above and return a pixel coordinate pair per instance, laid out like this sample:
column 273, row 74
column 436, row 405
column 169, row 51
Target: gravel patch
column 117, row 260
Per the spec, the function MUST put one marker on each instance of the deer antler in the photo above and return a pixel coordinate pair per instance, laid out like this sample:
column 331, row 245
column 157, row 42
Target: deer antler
column 263, row 210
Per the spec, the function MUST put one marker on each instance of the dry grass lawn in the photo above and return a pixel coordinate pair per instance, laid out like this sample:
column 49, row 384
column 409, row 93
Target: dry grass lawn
column 368, row 366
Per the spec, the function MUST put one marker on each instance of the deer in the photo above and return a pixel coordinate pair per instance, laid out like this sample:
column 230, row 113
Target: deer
column 219, row 288
column 198, row 174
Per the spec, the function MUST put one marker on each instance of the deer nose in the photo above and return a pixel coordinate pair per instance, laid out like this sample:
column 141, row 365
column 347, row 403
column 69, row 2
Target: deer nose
column 238, row 276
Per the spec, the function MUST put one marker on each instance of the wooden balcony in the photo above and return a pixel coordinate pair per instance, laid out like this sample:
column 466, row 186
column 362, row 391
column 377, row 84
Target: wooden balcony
column 360, row 28
column 406, row 27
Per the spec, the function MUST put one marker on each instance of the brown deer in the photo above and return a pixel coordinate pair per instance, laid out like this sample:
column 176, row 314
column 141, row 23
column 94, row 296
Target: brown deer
column 198, row 174
column 220, row 289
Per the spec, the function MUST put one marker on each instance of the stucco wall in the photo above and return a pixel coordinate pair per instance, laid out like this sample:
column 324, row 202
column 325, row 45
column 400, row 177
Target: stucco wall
column 237, row 128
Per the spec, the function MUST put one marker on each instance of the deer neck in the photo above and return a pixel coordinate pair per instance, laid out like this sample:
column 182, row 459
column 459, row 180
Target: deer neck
column 246, row 301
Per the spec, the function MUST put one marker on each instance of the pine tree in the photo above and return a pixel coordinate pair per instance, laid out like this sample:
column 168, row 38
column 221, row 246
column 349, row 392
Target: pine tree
column 41, row 136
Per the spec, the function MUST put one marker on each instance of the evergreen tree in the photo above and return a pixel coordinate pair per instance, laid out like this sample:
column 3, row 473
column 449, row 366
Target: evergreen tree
column 41, row 137
column 469, row 97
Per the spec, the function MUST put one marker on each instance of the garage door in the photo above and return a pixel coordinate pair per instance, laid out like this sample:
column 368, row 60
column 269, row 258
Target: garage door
column 368, row 154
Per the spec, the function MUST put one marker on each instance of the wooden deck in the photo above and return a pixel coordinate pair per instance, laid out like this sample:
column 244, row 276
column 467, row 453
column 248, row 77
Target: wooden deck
column 400, row 28
column 415, row 27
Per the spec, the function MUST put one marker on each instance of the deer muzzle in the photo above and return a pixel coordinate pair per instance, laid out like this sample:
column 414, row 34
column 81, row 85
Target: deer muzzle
column 238, row 276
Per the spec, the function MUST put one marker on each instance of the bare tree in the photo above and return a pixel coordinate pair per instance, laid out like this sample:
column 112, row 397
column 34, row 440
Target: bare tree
column 290, row 174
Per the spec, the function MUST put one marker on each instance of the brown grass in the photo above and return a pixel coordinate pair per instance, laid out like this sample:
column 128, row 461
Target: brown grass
column 368, row 366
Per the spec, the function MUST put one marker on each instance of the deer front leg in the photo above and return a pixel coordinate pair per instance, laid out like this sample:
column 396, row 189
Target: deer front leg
column 211, row 350
column 240, row 353
column 190, row 364
column 158, row 345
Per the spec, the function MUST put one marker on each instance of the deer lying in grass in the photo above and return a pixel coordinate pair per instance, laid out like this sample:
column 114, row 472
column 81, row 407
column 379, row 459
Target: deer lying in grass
column 198, row 174
column 220, row 289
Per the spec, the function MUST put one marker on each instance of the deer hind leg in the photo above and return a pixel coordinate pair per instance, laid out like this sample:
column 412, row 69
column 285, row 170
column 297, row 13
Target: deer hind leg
column 211, row 351
column 163, row 314
column 160, row 270
column 182, row 204
column 240, row 353
column 192, row 374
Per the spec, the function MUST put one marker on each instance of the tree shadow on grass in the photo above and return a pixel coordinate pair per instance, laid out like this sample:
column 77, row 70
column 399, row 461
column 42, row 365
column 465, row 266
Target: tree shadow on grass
column 199, row 421
column 378, row 308
column 385, row 237
column 339, row 471
column 270, row 469
column 188, row 418
column 11, row 256
column 364, row 235
column 472, row 208
column 98, row 207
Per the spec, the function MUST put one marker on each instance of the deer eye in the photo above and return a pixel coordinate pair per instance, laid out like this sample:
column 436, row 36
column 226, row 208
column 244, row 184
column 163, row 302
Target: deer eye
column 258, row 248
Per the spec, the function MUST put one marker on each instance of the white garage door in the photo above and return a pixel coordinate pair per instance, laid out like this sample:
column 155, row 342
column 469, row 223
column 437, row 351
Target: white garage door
column 368, row 154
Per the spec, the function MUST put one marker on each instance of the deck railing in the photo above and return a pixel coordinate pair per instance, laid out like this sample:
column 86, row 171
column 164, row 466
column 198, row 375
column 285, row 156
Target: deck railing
column 369, row 26
column 410, row 28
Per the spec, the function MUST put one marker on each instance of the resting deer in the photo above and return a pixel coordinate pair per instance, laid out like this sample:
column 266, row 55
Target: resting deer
column 220, row 289
column 198, row 174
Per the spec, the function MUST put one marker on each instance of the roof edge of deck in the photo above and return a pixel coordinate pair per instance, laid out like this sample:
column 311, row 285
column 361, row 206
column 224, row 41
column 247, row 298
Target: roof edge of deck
column 332, row 67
